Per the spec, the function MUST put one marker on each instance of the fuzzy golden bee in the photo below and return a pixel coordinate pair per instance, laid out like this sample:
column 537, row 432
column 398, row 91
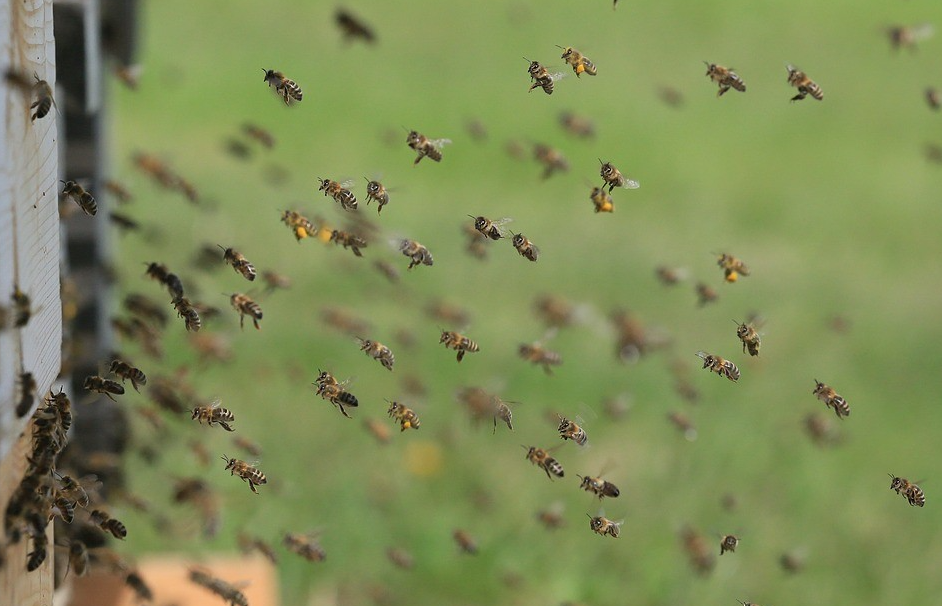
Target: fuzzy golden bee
column 491, row 229
column 831, row 399
column 542, row 459
column 340, row 192
column 248, row 473
column 377, row 351
column 612, row 177
column 720, row 366
column 749, row 336
column 725, row 78
column 299, row 225
column 246, row 307
column 376, row 191
column 285, row 87
column 214, row 414
column 805, row 85
column 603, row 526
column 580, row 63
column 541, row 77
column 417, row 253
column 728, row 543
column 602, row 200
column 910, row 491
column 238, row 262
column 425, row 147
column 403, row 415
column 525, row 247
column 570, row 430
column 731, row 266
column 81, row 197
column 458, row 342
column 599, row 487
column 125, row 372
column 348, row 240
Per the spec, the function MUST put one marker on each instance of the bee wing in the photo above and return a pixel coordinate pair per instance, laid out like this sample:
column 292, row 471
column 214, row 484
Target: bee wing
column 500, row 223
column 439, row 143
column 702, row 355
column 556, row 76
column 923, row 31
column 631, row 184
column 347, row 183
column 215, row 403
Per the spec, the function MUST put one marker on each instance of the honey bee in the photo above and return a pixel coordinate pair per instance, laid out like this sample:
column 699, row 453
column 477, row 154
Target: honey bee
column 159, row 272
column 424, row 146
column 246, row 307
column 578, row 126
column 909, row 490
column 328, row 388
column 238, row 262
column 378, row 430
column 300, row 225
column 458, row 342
column 248, row 544
column 791, row 562
column 247, row 445
column 602, row 200
column 552, row 517
column 720, row 366
column 259, row 134
column 44, row 100
column 537, row 354
column 449, row 313
column 274, row 280
column 683, row 423
column 109, row 524
column 555, row 311
column 728, row 543
column 285, row 87
column 503, row 412
column 805, row 85
column 214, row 414
column 305, row 545
column 339, row 192
column 353, row 28
column 670, row 96
column 579, row 62
column 542, row 459
column 603, row 526
column 747, row 603
column 831, row 399
column 377, row 351
column 125, row 371
column 749, row 337
column 726, row 78
column 390, row 271
column 104, row 386
column 248, row 473
column 551, row 158
column 731, row 266
column 569, row 430
column 821, row 430
column 525, row 247
column 81, row 197
column 612, row 177
column 376, row 191
column 907, row 36
column 404, row 415
column 698, row 551
column 541, row 77
column 599, row 487
column 37, row 556
column 129, row 75
column 78, row 560
column 187, row 311
column 491, row 229
column 121, row 193
column 228, row 592
column 465, row 541
column 417, row 253
column 348, row 240
column 400, row 557
column 27, row 395
column 933, row 98
column 78, row 490
column 705, row 294
column 344, row 321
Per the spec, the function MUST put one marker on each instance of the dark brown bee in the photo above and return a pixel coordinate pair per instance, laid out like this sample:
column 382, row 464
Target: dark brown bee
column 728, row 543
column 821, row 430
column 599, row 487
column 541, row 77
column 669, row 276
column 569, row 430
column 791, row 562
column 805, row 85
column 44, row 99
column 417, row 253
column 458, row 342
column 732, row 267
column 724, row 78
column 352, row 28
column 37, row 556
column 77, row 491
column 27, row 394
column 698, row 550
column 908, row 36
column 465, row 541
column 424, row 146
column 602, row 200
column 123, row 222
column 933, row 98
column 389, row 271
column 537, row 354
column 159, row 272
column 909, row 490
column 259, row 134
column 305, row 545
column 449, row 313
column 525, row 247
column 831, row 399
column 81, row 197
column 491, row 229
column 248, row 473
column 238, row 262
column 580, row 63
column 577, row 126
column 102, row 385
column 125, row 371
column 555, row 311
column 376, row 191
column 285, row 87
column 720, row 366
column 78, row 562
column 246, row 307
column 248, row 544
column 109, row 524
column 612, row 177
column 348, row 240
column 749, row 337
column 542, row 459
column 187, row 311
column 377, row 351
column 551, row 158
column 705, row 294
column 214, row 414
column 404, row 415
column 226, row 591
column 339, row 192
column 344, row 321
column 603, row 526
column 330, row 389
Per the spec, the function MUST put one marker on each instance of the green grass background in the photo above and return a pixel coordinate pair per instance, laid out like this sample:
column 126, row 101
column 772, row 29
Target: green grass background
column 832, row 205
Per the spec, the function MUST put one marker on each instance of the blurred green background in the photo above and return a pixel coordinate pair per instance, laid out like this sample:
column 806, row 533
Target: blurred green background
column 832, row 205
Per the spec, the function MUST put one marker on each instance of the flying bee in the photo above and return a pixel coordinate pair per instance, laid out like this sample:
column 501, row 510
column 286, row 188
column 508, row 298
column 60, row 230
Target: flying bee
column 579, row 62
column 274, row 280
column 791, row 562
column 491, row 229
column 465, row 541
column 78, row 490
column 78, row 561
column 749, row 337
column 424, row 146
column 599, row 487
column 525, row 247
column 603, row 526
column 404, row 415
column 214, row 414
column 378, row 430
column 731, row 266
column 683, row 423
column 102, row 385
column 348, row 240
column 305, row 545
column 612, row 177
column 247, row 445
column 300, row 225
column 705, row 294
column 248, row 544
column 238, row 262
column 698, row 550
column 125, row 371
column 502, row 412
column 535, row 353
column 109, row 524
column 400, row 557
column 81, row 197
column 541, row 77
column 27, row 395
column 720, row 366
column 187, row 311
column 376, row 191
column 44, row 100
column 821, row 430
column 728, row 543
column 602, row 200
column 933, row 98
column 551, row 158
column 339, row 192
column 389, row 271
column 246, row 307
column 417, row 253
column 253, row 131
column 352, row 28
column 907, row 36
column 805, row 85
column 248, row 473
column 377, row 351
column 227, row 591
column 831, row 399
column 542, row 459
column 569, row 430
column 458, row 342
column 327, row 387
column 344, row 321
column 909, row 490
column 285, row 87
column 578, row 126
column 725, row 78
column 552, row 517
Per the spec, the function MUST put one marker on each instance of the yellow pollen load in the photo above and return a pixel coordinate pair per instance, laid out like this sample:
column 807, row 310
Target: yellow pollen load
column 732, row 276
column 324, row 235
column 300, row 233
column 579, row 69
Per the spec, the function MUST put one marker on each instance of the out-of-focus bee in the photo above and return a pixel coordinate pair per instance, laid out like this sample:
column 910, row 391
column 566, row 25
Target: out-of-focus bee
column 227, row 591
column 555, row 311
column 525, row 247
column 551, row 158
column 448, row 313
column 476, row 129
column 238, row 262
column 352, row 28
column 187, row 311
column 577, row 126
column 805, row 85
column 705, row 294
column 698, row 550
column 791, row 562
column 247, row 445
column 196, row 492
column 552, row 517
column 129, row 75
column 246, row 307
column 27, row 394
column 78, row 560
column 348, row 240
column 821, row 430
column 612, row 177
column 285, row 87
column 424, row 146
column 378, row 430
column 728, row 543
column 248, row 544
column 541, row 77
column 274, row 280
column 570, row 430
column 669, row 276
column 907, row 36
column 725, row 78
column 305, row 545
column 579, row 62
column 159, row 272
column 602, row 200
column 909, row 490
column 465, row 541
column 121, row 193
column 542, row 459
column 376, row 191
column 81, row 197
column 491, row 229
column 390, row 271
column 731, row 266
column 125, row 371
column 400, row 557
column 539, row 355
column 377, row 351
column 403, row 415
column 597, row 486
column 683, row 423
column 720, row 366
column 933, row 98
column 933, row 153
column 327, row 387
column 214, row 414
column 631, row 337
column 339, row 192
column 258, row 133
column 416, row 252
column 156, row 169
column 248, row 473
column 603, row 526
column 124, row 222
column 300, row 225
column 458, row 342
column 831, row 399
column 108, row 524
column 670, row 96
column 104, row 386
column 476, row 246
column 78, row 490
column 344, row 321
column 749, row 336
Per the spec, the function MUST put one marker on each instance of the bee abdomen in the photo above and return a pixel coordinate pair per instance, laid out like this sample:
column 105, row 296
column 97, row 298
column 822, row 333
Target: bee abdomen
column 554, row 467
column 42, row 108
column 292, row 89
column 434, row 154
column 348, row 398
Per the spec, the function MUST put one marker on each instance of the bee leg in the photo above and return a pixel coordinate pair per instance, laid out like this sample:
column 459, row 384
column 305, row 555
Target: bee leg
column 242, row 321
column 460, row 354
column 357, row 252
column 110, row 396
column 255, row 322
column 547, row 369
column 252, row 486
column 226, row 426
column 722, row 91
